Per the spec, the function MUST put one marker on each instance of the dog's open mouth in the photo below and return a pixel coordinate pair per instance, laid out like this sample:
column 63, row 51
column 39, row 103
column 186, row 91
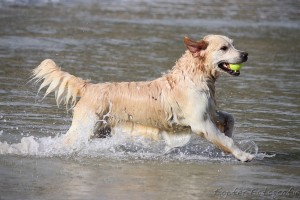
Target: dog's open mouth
column 225, row 67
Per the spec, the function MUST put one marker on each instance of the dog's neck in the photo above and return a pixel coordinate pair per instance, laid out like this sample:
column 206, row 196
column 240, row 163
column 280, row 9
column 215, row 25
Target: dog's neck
column 189, row 70
column 194, row 69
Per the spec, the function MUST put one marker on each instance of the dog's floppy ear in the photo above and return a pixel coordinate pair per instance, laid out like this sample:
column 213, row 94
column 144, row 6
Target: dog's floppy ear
column 195, row 47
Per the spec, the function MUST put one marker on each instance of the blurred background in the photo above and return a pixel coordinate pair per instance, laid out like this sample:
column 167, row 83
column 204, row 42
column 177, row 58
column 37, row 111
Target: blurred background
column 126, row 40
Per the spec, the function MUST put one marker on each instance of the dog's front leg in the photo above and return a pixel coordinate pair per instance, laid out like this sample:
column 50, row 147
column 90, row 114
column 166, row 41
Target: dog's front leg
column 209, row 130
column 225, row 123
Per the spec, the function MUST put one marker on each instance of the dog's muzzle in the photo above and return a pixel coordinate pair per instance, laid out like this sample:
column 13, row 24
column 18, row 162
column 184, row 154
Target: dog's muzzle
column 225, row 66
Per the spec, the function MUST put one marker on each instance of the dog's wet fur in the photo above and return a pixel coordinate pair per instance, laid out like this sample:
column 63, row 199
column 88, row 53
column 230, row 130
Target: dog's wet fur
column 171, row 107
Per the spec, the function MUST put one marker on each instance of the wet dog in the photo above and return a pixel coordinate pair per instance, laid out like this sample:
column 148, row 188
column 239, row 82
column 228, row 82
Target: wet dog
column 172, row 107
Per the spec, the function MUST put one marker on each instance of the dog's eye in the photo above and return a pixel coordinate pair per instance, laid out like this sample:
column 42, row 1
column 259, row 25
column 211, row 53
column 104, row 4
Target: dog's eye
column 224, row 48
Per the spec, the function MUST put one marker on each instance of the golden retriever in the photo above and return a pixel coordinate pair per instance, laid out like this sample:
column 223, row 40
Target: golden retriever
column 171, row 107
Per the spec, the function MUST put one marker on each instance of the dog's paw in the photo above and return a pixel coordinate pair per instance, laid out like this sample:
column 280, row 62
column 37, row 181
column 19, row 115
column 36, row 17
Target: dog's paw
column 244, row 157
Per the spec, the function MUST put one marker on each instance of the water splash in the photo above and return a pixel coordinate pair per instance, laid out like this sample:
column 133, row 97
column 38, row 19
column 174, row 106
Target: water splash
column 249, row 146
column 32, row 146
column 117, row 145
column 121, row 146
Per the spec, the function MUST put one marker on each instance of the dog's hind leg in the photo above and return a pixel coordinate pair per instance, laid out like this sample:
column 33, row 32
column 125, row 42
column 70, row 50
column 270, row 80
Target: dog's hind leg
column 82, row 128
column 135, row 129
column 225, row 122
column 174, row 140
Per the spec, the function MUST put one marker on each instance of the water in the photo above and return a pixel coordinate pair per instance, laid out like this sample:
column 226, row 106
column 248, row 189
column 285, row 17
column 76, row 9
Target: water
column 139, row 40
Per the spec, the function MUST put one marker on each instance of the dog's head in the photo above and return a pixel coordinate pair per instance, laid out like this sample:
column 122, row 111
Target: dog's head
column 218, row 52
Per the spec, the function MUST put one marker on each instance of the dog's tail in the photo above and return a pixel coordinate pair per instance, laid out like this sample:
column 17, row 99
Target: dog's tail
column 66, row 86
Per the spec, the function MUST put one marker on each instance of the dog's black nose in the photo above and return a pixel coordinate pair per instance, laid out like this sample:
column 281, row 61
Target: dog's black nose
column 244, row 56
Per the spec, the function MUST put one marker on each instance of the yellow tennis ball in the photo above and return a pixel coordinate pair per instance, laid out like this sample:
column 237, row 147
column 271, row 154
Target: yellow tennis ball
column 236, row 67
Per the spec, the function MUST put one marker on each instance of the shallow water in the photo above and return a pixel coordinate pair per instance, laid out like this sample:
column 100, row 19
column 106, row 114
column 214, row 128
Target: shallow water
column 139, row 40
